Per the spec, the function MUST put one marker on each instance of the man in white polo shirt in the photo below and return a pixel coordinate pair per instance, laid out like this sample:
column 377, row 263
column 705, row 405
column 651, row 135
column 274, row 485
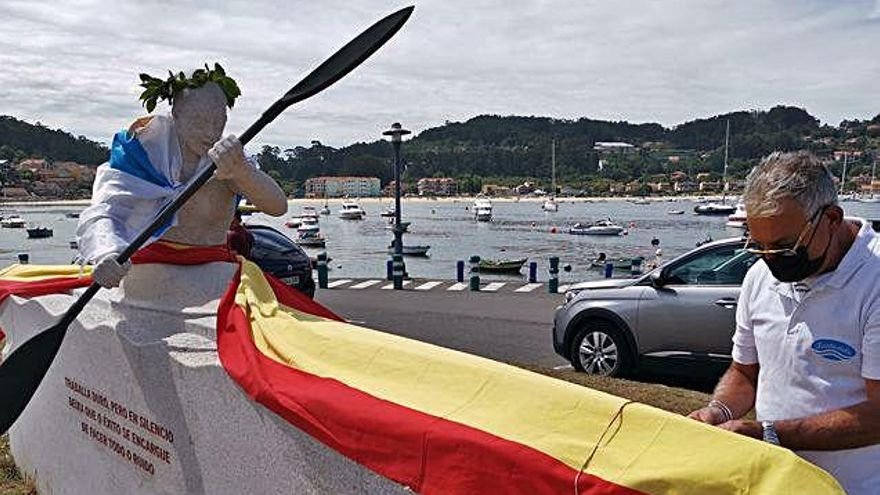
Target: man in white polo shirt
column 806, row 352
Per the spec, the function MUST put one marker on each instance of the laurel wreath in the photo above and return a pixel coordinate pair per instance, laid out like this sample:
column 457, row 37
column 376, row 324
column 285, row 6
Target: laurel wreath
column 158, row 89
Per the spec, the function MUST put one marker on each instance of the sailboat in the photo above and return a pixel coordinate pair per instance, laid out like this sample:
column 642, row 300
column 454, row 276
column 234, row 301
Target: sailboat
column 550, row 204
column 841, row 196
column 873, row 198
column 326, row 209
column 719, row 208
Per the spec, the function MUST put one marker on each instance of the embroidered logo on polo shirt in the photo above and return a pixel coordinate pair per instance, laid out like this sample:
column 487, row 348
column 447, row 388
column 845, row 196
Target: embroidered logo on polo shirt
column 833, row 350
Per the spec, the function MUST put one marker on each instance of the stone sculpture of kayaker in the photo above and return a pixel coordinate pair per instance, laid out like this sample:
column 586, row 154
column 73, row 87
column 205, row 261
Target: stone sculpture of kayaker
column 151, row 161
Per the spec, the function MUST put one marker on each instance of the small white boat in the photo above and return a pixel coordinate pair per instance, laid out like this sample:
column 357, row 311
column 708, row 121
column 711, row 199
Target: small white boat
column 602, row 227
column 309, row 211
column 550, row 204
column 13, row 222
column 675, row 212
column 482, row 209
column 640, row 201
column 737, row 219
column 869, row 199
column 351, row 211
column 388, row 213
column 411, row 250
column 308, row 224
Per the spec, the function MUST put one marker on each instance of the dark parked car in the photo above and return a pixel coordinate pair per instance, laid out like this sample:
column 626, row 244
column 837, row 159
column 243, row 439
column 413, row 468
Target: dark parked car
column 275, row 253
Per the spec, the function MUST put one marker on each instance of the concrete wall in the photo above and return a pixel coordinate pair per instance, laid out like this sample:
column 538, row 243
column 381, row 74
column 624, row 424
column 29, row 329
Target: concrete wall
column 137, row 402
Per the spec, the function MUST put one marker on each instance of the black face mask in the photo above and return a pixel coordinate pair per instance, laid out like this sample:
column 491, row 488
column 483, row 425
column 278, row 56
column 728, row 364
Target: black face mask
column 798, row 267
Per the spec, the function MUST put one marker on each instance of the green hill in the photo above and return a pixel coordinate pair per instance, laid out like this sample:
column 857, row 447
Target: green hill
column 511, row 149
column 19, row 140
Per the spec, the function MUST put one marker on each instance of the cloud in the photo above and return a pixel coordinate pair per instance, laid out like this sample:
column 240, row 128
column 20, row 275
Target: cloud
column 74, row 64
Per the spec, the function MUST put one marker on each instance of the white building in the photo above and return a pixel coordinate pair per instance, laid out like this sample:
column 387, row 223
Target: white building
column 338, row 187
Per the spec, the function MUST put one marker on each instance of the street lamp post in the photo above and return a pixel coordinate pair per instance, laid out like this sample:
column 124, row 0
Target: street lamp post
column 397, row 132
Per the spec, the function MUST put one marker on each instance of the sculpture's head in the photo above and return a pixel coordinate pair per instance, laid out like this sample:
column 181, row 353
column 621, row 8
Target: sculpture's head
column 198, row 104
column 200, row 117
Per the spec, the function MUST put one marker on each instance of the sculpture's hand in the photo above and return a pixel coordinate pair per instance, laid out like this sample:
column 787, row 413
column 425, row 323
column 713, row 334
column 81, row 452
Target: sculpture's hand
column 108, row 273
column 228, row 155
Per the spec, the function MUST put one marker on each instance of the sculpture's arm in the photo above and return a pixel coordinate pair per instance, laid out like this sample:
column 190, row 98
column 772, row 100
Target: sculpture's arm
column 245, row 178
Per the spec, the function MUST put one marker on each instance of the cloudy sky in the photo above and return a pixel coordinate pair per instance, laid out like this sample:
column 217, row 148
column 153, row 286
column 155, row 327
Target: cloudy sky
column 74, row 63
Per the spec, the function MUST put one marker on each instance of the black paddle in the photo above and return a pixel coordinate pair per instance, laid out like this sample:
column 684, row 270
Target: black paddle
column 23, row 370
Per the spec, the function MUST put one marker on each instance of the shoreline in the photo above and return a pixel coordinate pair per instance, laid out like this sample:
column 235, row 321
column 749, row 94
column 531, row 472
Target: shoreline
column 415, row 199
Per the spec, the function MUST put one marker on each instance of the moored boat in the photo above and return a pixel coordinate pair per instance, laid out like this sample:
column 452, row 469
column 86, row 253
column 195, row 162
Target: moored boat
column 602, row 227
column 13, row 222
column 310, row 239
column 717, row 209
column 309, row 212
column 482, row 209
column 413, row 250
column 39, row 232
column 308, row 224
column 351, row 211
column 737, row 219
column 502, row 266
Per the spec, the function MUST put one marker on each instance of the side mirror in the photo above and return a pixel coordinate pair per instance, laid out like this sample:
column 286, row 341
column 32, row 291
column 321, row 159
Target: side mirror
column 658, row 278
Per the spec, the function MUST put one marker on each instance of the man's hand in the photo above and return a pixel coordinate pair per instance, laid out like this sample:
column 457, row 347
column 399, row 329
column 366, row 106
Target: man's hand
column 228, row 155
column 710, row 415
column 108, row 273
column 743, row 427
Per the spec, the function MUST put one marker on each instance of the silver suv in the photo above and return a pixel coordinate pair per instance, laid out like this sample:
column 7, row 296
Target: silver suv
column 682, row 311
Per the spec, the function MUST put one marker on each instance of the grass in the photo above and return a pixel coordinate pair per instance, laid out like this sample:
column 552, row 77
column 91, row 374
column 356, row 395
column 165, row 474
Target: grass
column 673, row 399
column 11, row 480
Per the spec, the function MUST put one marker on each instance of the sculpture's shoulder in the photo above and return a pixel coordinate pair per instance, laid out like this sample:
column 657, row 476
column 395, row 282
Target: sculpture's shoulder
column 143, row 125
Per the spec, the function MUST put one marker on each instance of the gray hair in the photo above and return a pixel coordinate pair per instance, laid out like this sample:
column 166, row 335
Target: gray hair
column 797, row 175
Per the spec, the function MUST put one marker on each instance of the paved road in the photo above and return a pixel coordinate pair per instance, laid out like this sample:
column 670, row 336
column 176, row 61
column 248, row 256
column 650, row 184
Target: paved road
column 505, row 326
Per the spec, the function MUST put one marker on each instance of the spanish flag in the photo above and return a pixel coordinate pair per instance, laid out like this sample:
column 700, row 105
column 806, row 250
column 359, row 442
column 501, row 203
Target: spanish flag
column 445, row 422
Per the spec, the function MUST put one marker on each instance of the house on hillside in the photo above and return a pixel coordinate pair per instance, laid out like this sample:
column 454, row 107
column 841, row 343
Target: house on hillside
column 613, row 147
column 710, row 186
column 388, row 190
column 495, row 190
column 678, row 176
column 442, row 186
column 685, row 186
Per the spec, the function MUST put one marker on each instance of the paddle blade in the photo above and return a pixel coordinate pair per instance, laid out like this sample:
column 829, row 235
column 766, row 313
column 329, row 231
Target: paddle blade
column 348, row 57
column 23, row 370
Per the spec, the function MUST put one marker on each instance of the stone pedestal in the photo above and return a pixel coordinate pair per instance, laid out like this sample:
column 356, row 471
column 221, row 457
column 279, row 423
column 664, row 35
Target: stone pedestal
column 137, row 402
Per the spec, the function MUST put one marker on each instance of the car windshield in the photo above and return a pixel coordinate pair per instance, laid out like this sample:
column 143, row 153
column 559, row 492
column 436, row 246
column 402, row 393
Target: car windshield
column 723, row 265
column 271, row 240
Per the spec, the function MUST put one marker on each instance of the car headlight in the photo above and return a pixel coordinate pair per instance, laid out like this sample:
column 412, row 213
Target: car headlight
column 571, row 294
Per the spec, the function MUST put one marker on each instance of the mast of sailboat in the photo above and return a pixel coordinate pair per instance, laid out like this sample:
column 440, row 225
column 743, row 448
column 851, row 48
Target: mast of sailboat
column 873, row 173
column 724, row 173
column 553, row 167
column 843, row 177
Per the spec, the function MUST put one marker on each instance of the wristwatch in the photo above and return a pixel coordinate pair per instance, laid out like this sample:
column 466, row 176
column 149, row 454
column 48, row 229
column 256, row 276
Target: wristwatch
column 770, row 435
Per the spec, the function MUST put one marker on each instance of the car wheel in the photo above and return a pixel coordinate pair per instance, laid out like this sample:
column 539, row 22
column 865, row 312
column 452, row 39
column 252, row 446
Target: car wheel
column 600, row 349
